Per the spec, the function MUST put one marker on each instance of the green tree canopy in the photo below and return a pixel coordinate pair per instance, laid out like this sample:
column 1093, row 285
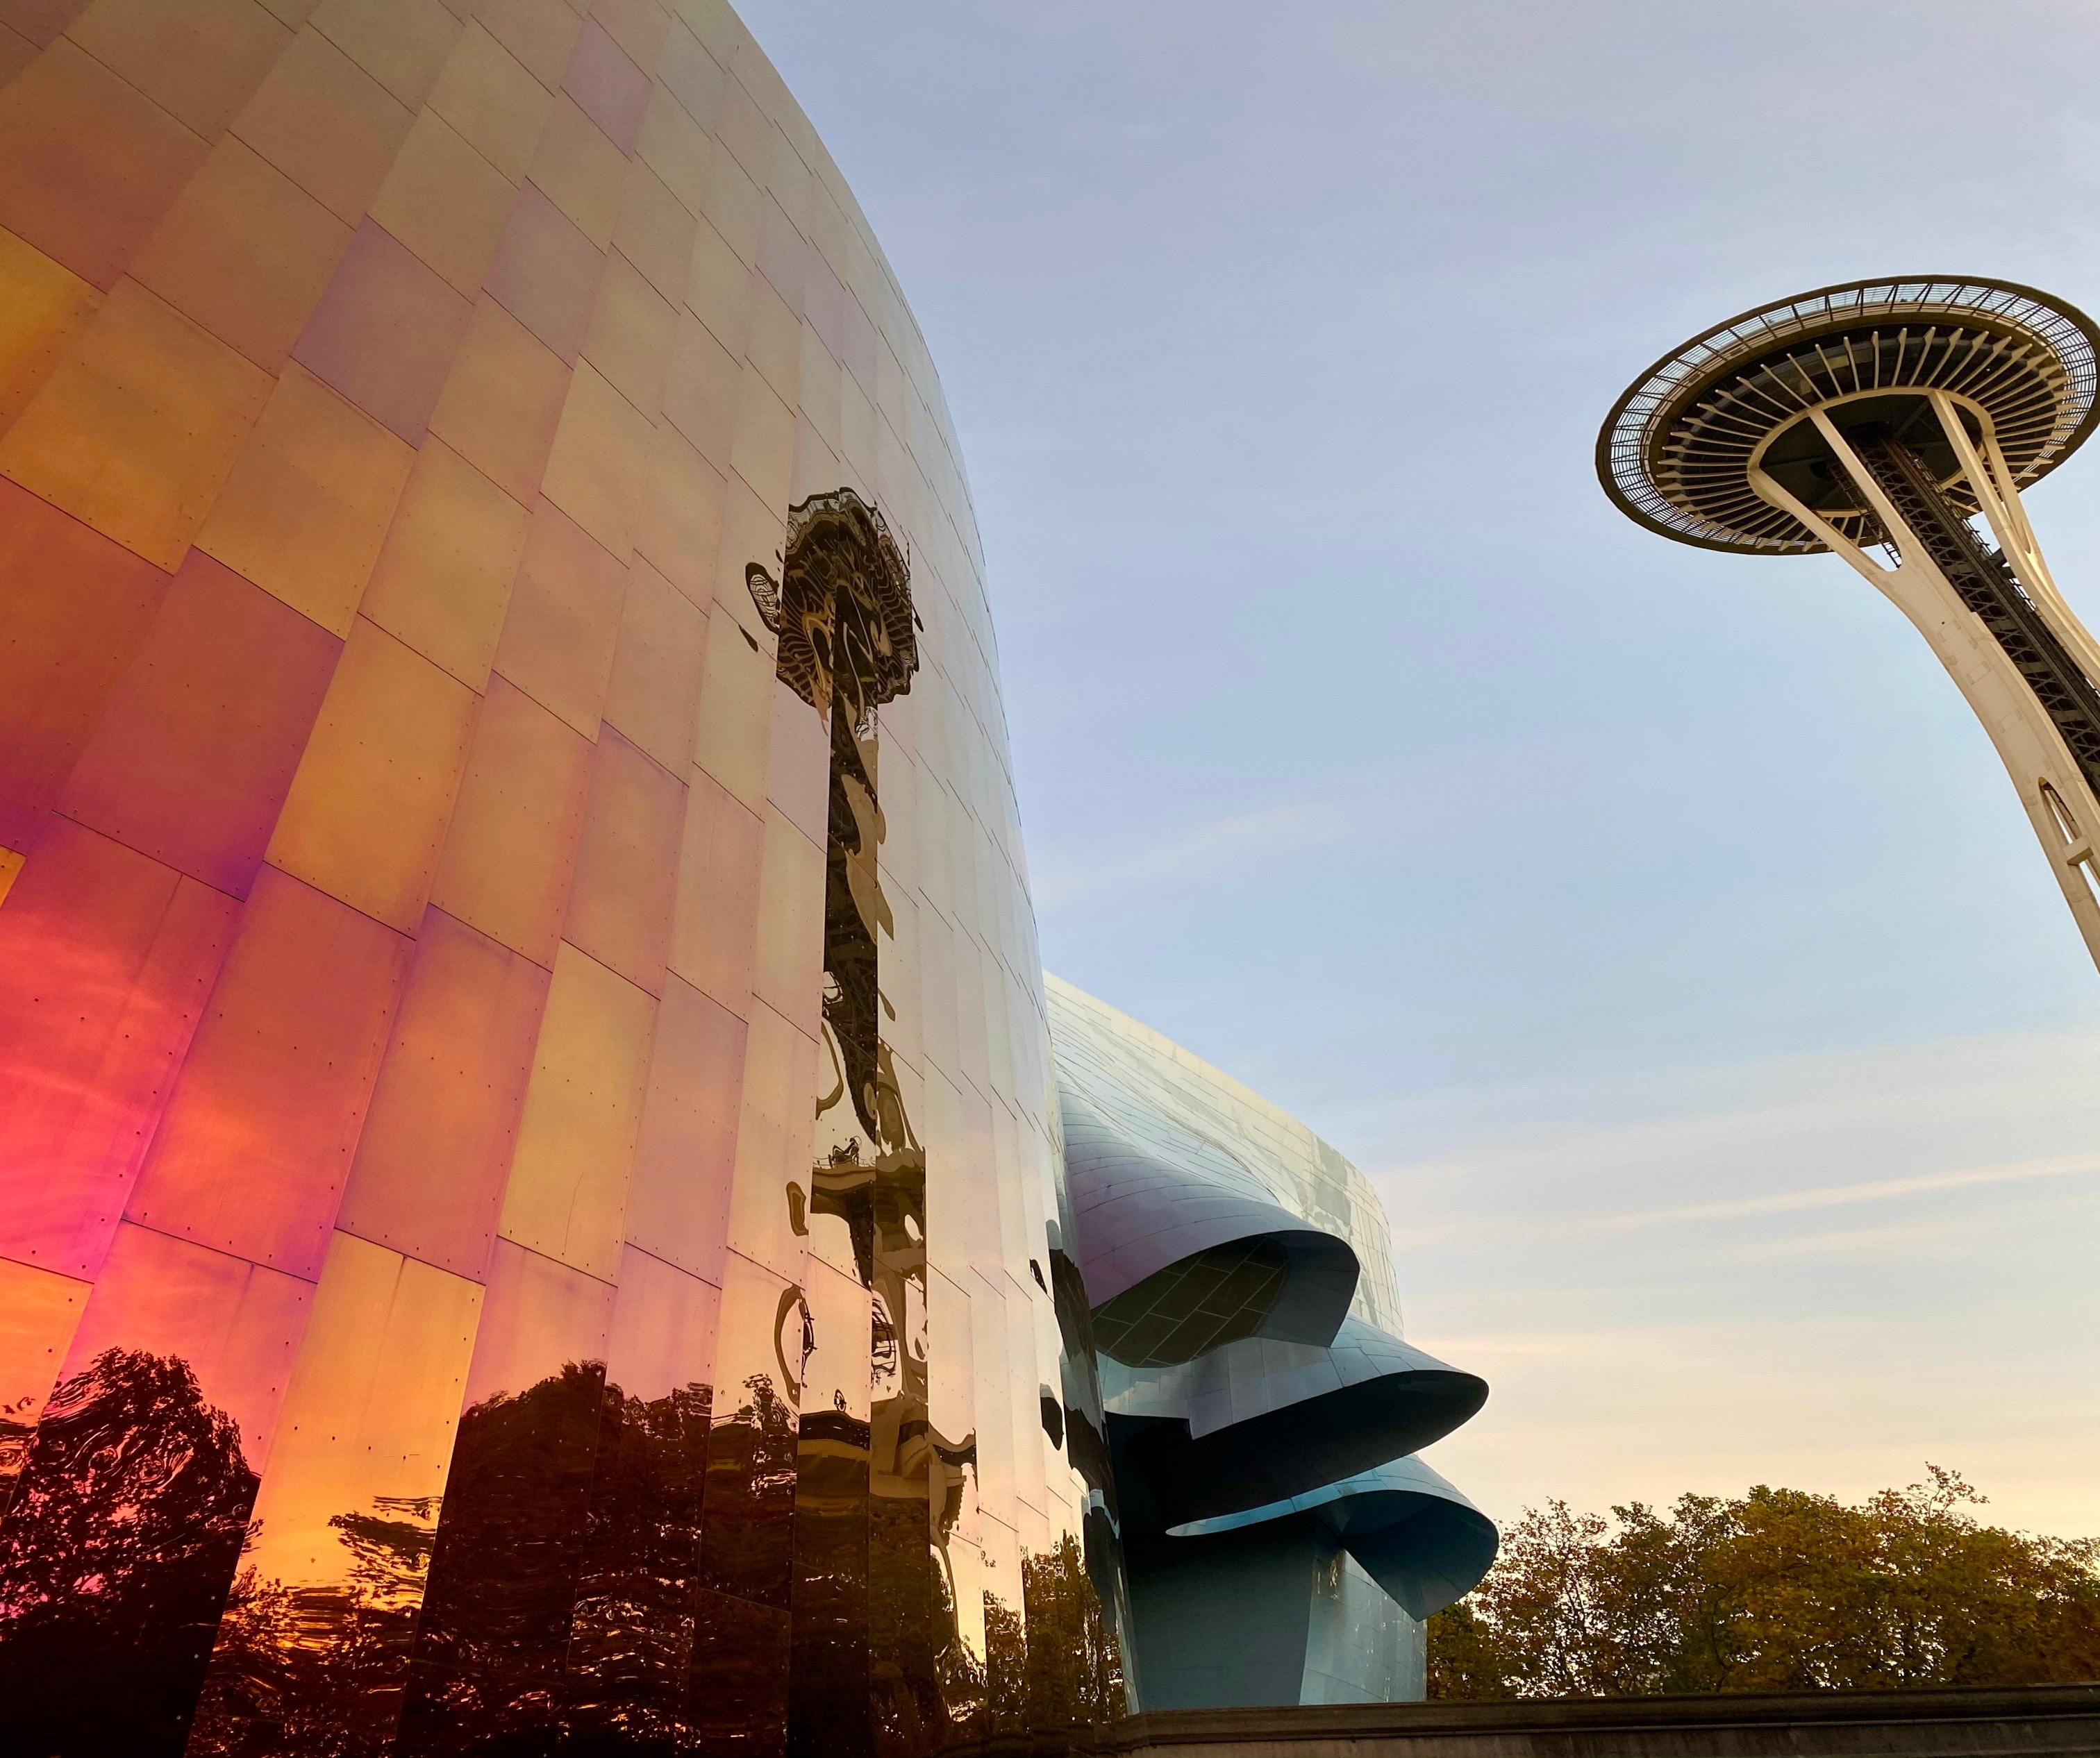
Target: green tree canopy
column 1775, row 1590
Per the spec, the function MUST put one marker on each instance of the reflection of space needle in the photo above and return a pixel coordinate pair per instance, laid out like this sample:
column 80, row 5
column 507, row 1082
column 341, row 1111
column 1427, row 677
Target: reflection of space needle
column 1887, row 415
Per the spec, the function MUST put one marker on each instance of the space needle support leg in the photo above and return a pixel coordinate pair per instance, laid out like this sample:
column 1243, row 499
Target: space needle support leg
column 2029, row 746
column 1990, row 482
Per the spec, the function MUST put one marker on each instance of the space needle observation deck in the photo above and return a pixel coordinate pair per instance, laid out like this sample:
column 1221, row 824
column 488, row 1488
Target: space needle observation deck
column 1881, row 420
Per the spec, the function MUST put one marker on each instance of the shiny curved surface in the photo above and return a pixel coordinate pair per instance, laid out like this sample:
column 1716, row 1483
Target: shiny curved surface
column 1283, row 1542
column 530, row 1215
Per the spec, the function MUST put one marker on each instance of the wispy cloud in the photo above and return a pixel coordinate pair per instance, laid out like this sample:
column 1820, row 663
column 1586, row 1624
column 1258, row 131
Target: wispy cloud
column 1837, row 1196
column 1180, row 858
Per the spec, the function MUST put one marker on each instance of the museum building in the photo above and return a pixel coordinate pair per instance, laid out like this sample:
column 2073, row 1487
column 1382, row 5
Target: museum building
column 545, row 1206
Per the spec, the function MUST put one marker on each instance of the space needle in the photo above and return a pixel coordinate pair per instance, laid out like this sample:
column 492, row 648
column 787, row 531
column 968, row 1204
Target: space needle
column 1881, row 419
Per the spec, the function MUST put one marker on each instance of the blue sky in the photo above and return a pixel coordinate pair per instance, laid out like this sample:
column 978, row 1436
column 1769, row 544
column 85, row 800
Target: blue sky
column 1657, row 926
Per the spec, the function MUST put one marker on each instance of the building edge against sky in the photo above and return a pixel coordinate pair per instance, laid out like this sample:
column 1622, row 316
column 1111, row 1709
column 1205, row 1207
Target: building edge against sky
column 532, row 1201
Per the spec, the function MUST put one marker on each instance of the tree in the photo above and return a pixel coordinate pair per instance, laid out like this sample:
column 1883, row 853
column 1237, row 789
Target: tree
column 1774, row 1590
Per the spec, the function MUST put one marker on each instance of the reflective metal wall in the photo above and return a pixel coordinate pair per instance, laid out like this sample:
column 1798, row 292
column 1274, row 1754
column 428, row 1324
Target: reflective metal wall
column 527, row 1181
column 1283, row 1543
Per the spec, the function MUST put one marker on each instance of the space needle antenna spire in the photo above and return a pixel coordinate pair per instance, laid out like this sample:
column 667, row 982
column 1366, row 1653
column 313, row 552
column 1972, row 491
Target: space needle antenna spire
column 1881, row 420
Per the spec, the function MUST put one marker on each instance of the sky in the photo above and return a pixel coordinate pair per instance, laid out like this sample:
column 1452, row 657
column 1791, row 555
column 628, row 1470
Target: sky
column 1656, row 926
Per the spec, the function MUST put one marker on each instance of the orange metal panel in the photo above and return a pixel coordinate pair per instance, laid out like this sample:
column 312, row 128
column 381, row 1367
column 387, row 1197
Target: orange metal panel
column 539, row 33
column 368, row 808
column 401, row 43
column 43, row 307
column 656, row 689
column 109, row 957
column 445, row 202
column 245, row 252
column 198, row 59
column 583, row 173
column 678, row 1207
column 673, row 145
column 386, row 331
column 545, row 273
column 567, row 1193
column 609, row 88
column 501, row 404
column 138, row 428
column 700, row 388
column 775, row 1127
column 627, row 858
column 309, row 501
column 511, row 849
column 38, row 1314
column 234, row 1323
column 253, row 1152
column 714, row 919
column 443, row 580
column 563, row 626
column 496, row 105
column 630, row 334
column 76, row 608
column 326, row 125
column 788, row 975
column 197, row 751
column 599, row 463
column 349, row 1501
column 748, row 1516
column 638, row 26
column 87, row 165
column 680, row 526
column 655, row 232
column 431, row 1164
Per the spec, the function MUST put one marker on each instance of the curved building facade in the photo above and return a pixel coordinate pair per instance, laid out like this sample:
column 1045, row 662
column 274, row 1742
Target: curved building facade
column 526, row 1147
column 1284, row 1544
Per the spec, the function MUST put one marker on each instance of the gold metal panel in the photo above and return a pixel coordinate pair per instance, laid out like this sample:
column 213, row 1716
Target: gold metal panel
column 676, row 148
column 568, row 1194
column 798, row 776
column 583, row 173
column 638, row 26
column 630, row 334
column 620, row 903
column 752, row 530
column 775, row 1128
column 562, row 628
column 815, row 468
column 307, row 507
column 434, row 1152
column 445, row 202
column 788, row 974
column 368, row 808
column 511, row 848
column 401, row 43
column 136, row 430
column 198, row 59
column 39, row 1312
column 690, row 73
column 366, row 1428
column 773, row 341
column 678, row 1207
column 655, row 232
column 656, row 689
column 493, row 100
column 733, row 204
column 718, row 289
column 87, row 165
column 500, row 406
column 700, row 391
column 43, row 307
column 245, row 252
column 743, row 127
column 326, row 124
column 733, row 735
column 817, row 379
column 714, row 921
column 443, row 580
column 680, row 527
column 597, row 469
column 763, row 451
column 539, row 33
